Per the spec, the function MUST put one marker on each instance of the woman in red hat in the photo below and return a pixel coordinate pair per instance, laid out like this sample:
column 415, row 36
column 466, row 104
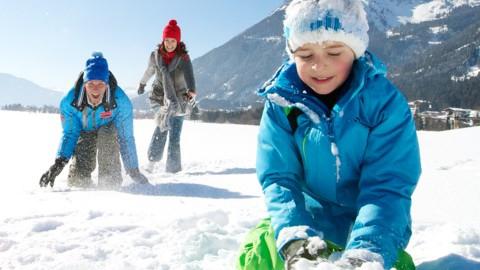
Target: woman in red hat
column 172, row 96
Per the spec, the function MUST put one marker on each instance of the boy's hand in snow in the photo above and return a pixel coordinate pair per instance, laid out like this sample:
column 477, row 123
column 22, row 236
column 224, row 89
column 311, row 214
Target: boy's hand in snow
column 349, row 263
column 354, row 258
column 49, row 176
column 312, row 249
column 137, row 176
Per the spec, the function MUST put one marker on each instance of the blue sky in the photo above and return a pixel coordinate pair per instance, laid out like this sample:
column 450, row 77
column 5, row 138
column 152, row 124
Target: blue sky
column 48, row 41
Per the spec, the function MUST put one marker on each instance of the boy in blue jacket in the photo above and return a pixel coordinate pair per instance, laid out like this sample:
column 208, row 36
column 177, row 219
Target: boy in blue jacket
column 338, row 156
column 96, row 116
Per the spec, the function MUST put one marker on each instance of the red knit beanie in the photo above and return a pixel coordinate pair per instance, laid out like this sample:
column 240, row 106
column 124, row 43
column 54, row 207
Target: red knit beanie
column 172, row 31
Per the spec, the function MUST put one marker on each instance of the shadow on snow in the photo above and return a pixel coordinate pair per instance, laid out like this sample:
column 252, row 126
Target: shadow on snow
column 450, row 262
column 184, row 190
column 226, row 171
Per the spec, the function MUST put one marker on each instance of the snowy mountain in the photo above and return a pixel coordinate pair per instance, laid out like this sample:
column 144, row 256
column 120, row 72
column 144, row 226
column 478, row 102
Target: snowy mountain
column 198, row 218
column 229, row 75
column 15, row 90
column 446, row 71
column 387, row 14
column 400, row 31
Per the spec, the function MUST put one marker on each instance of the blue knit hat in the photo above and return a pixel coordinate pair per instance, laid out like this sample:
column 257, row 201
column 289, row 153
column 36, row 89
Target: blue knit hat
column 96, row 68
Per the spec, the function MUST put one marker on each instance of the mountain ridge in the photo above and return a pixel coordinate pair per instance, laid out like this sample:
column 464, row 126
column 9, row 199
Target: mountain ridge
column 15, row 90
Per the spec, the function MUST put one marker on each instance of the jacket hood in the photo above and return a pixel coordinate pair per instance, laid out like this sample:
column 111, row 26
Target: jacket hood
column 80, row 100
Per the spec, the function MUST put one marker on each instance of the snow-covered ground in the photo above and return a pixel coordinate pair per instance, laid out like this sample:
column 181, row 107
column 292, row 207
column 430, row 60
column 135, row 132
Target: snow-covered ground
column 197, row 219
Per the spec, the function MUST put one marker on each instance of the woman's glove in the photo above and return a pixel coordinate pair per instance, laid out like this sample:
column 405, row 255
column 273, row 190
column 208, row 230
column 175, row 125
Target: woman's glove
column 191, row 94
column 141, row 89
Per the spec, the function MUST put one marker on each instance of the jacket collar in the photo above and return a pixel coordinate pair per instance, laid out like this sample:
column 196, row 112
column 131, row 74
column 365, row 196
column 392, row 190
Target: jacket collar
column 161, row 64
column 287, row 89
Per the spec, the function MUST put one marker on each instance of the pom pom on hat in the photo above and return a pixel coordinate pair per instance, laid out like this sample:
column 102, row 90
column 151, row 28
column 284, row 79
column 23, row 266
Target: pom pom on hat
column 96, row 68
column 172, row 30
column 316, row 21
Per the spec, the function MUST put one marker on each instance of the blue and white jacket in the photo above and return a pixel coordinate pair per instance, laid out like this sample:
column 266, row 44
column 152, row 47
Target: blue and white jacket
column 348, row 176
column 78, row 117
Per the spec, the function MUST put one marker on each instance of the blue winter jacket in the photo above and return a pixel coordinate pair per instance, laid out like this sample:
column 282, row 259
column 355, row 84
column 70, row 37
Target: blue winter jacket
column 349, row 175
column 75, row 121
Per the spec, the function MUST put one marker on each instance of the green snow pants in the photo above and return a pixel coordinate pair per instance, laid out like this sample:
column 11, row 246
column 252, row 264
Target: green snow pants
column 259, row 251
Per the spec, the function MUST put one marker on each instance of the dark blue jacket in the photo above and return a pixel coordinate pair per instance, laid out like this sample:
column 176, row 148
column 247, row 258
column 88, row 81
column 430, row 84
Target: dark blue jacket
column 76, row 120
column 348, row 176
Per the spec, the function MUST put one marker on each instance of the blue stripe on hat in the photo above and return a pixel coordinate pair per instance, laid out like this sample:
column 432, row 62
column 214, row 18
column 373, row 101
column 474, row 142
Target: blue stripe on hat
column 328, row 22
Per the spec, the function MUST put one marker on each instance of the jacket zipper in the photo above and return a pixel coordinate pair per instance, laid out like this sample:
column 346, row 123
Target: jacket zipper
column 333, row 144
column 94, row 123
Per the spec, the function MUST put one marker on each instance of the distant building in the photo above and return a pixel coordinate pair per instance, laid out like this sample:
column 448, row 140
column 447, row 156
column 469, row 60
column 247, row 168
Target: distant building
column 418, row 106
column 449, row 118
column 460, row 118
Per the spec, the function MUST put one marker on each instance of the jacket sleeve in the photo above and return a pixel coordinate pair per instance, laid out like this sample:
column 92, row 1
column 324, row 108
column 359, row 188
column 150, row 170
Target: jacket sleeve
column 124, row 124
column 389, row 175
column 71, row 126
column 150, row 71
column 188, row 73
column 280, row 173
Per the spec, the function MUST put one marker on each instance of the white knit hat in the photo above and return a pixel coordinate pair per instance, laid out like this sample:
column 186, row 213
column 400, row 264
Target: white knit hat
column 316, row 21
